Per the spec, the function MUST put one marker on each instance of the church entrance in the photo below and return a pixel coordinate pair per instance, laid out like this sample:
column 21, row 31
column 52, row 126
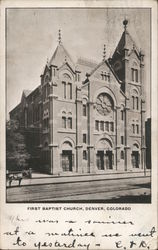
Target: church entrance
column 135, row 159
column 104, row 159
column 67, row 160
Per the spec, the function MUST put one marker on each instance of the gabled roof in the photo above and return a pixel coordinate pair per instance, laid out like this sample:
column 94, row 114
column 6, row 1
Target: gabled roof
column 110, row 68
column 96, row 67
column 60, row 56
column 127, row 42
column 67, row 65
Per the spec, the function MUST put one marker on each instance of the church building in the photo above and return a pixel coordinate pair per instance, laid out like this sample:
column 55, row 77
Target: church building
column 88, row 117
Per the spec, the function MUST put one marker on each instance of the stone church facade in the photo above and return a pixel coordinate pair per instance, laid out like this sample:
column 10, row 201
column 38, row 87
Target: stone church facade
column 88, row 118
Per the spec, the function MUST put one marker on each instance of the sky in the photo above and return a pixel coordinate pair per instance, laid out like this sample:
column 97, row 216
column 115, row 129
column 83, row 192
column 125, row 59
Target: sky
column 32, row 37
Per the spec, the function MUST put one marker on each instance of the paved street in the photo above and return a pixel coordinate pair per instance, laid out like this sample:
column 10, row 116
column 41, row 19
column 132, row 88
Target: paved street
column 116, row 190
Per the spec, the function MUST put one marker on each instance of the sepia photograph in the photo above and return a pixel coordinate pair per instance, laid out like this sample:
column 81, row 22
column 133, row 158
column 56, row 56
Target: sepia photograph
column 78, row 105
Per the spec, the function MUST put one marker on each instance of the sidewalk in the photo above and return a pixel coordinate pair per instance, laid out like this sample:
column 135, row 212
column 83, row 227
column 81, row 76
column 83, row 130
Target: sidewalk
column 39, row 179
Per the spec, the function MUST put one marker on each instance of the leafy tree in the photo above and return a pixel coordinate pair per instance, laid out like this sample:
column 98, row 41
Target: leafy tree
column 16, row 151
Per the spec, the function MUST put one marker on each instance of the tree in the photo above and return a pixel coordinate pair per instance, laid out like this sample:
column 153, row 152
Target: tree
column 17, row 156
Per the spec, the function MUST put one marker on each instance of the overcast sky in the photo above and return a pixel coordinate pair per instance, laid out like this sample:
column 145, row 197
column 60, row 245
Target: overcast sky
column 32, row 36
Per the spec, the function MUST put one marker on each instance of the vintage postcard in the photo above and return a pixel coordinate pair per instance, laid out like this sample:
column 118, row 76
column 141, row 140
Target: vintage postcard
column 78, row 125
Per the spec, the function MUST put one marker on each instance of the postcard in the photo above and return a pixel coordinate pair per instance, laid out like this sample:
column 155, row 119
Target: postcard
column 78, row 125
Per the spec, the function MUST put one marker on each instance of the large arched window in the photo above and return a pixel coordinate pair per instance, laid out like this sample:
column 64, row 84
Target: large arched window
column 67, row 86
column 134, row 72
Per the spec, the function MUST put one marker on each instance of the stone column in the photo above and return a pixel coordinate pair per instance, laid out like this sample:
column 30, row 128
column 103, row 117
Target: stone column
column 143, row 146
column 78, row 130
column 126, row 138
column 117, row 132
column 143, row 110
column 54, row 155
column 90, row 146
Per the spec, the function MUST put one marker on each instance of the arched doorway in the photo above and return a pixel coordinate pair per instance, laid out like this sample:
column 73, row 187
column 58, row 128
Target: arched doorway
column 104, row 155
column 135, row 156
column 67, row 157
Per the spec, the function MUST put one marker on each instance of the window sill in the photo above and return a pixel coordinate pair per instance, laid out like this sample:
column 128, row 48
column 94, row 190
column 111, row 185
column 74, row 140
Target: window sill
column 135, row 83
column 66, row 100
column 70, row 131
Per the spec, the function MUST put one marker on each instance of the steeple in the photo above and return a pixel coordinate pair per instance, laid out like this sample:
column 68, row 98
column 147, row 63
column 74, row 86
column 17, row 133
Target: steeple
column 59, row 37
column 104, row 53
column 60, row 55
column 122, row 54
column 126, row 42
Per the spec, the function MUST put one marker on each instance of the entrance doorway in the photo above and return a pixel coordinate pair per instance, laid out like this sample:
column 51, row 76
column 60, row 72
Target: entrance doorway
column 104, row 161
column 108, row 159
column 67, row 160
column 135, row 159
column 100, row 160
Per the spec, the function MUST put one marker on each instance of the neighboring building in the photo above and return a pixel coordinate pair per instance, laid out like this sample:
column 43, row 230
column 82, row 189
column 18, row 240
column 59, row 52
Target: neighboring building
column 89, row 118
column 148, row 142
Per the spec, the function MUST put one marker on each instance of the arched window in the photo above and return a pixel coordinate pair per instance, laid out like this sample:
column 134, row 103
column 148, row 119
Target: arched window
column 135, row 127
column 134, row 72
column 107, row 126
column 112, row 126
column 122, row 154
column 66, row 86
column 63, row 122
column 102, row 125
column 64, row 89
column 97, row 125
column 84, row 110
column 69, row 122
column 84, row 155
column 135, row 99
column 69, row 90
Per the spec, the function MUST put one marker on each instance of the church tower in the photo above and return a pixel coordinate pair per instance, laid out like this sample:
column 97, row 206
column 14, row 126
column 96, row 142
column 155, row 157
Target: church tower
column 128, row 63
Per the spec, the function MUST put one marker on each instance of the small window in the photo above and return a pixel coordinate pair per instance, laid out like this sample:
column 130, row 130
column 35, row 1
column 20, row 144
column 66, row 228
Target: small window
column 132, row 70
column 70, row 90
column 84, row 138
column 64, row 90
column 137, row 102
column 84, row 110
column 133, row 102
column 112, row 126
column 136, row 75
column 102, row 125
column 107, row 126
column 137, row 128
column 122, row 140
column 84, row 155
column 122, row 154
column 133, row 128
column 97, row 125
column 63, row 122
column 69, row 122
